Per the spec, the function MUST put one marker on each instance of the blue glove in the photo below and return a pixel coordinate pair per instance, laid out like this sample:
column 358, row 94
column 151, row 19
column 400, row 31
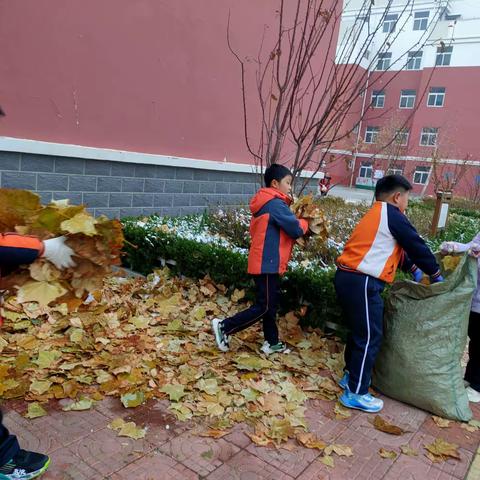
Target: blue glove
column 437, row 279
column 417, row 275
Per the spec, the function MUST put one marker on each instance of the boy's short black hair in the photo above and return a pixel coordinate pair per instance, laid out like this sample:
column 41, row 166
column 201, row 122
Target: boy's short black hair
column 391, row 184
column 275, row 172
column 2, row 113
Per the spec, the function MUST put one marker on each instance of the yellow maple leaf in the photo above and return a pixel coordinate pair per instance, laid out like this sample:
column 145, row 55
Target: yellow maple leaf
column 41, row 292
column 81, row 223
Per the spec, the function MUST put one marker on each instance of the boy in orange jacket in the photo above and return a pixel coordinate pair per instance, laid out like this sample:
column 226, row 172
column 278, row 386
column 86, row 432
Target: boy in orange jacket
column 383, row 240
column 273, row 229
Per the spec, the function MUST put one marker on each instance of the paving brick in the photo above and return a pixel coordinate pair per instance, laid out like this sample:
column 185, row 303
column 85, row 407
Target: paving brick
column 65, row 465
column 94, row 200
column 407, row 417
column 107, row 453
column 325, row 427
column 120, row 200
column 145, row 171
column 155, row 465
column 75, row 198
column 221, row 187
column 182, row 173
column 412, row 468
column 191, row 187
column 202, row 455
column 457, row 468
column 133, row 184
column 123, row 169
column 109, row 184
column 365, row 464
column 82, row 183
column 291, row 462
column 173, row 186
column 27, row 181
column 9, row 161
column 154, row 185
column 49, row 181
column 181, row 200
column 454, row 433
column 69, row 165
column 142, row 200
column 163, row 200
column 245, row 466
column 98, row 167
column 31, row 162
column 238, row 436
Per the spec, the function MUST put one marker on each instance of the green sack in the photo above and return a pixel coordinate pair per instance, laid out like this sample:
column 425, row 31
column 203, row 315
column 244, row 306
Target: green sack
column 425, row 334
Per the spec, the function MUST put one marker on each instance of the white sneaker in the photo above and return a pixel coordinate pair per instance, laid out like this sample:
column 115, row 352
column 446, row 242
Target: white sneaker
column 220, row 337
column 473, row 395
column 268, row 349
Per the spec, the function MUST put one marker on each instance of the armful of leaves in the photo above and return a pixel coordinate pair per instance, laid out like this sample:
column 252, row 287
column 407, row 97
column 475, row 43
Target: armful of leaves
column 97, row 243
column 308, row 208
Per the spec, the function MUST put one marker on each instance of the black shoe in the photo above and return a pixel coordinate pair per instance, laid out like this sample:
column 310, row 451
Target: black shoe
column 24, row 466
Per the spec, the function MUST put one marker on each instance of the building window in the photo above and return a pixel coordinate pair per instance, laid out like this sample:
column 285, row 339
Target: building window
column 414, row 60
column 436, row 97
column 444, row 55
column 407, row 98
column 401, row 137
column 395, row 171
column 389, row 23
column 429, row 136
column 378, row 99
column 383, row 62
column 420, row 21
column 366, row 170
column 420, row 177
column 371, row 134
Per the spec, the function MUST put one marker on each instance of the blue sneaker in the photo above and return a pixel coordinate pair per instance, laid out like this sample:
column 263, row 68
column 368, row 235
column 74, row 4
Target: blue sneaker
column 367, row 403
column 343, row 382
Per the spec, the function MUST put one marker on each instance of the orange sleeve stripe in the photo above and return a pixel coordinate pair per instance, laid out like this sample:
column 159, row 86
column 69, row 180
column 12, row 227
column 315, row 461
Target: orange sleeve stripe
column 13, row 240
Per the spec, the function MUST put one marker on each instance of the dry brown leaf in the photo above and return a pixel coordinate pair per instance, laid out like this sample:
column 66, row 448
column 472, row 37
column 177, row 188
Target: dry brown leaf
column 341, row 450
column 214, row 433
column 391, row 454
column 341, row 413
column 407, row 450
column 328, row 461
column 440, row 451
column 441, row 422
column 381, row 424
column 309, row 440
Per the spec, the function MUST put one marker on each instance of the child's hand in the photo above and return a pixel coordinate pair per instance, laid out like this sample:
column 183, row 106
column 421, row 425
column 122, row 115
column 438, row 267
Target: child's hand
column 448, row 247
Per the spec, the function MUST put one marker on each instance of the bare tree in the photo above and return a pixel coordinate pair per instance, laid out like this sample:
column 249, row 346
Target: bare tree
column 309, row 88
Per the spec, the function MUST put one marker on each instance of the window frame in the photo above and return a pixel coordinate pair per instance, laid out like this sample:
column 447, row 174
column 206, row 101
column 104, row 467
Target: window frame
column 419, row 20
column 444, row 53
column 407, row 96
column 435, row 95
column 421, row 171
column 429, row 135
column 402, row 133
column 390, row 22
column 373, row 131
column 376, row 95
column 395, row 171
column 384, row 59
column 414, row 61
column 368, row 167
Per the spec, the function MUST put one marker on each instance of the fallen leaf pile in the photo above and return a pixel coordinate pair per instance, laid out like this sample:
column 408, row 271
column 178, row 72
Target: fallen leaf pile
column 450, row 262
column 308, row 208
column 96, row 242
column 138, row 339
column 440, row 451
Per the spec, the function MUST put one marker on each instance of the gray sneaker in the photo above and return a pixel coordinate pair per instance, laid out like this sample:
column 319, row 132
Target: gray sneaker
column 268, row 349
column 220, row 337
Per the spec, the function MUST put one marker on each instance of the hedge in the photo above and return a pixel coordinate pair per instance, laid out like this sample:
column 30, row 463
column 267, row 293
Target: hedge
column 145, row 250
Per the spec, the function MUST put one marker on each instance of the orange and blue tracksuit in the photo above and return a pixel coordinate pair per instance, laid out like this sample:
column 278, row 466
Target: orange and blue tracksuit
column 382, row 241
column 273, row 230
column 14, row 250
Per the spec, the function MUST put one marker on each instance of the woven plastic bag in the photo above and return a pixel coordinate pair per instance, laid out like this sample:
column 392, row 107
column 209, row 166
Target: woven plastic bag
column 425, row 334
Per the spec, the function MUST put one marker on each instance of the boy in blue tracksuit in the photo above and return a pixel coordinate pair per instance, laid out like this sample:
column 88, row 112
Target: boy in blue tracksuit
column 273, row 230
column 382, row 241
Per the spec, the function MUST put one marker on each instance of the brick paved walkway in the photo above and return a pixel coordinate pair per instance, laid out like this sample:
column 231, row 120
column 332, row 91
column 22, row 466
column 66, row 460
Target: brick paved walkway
column 82, row 447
